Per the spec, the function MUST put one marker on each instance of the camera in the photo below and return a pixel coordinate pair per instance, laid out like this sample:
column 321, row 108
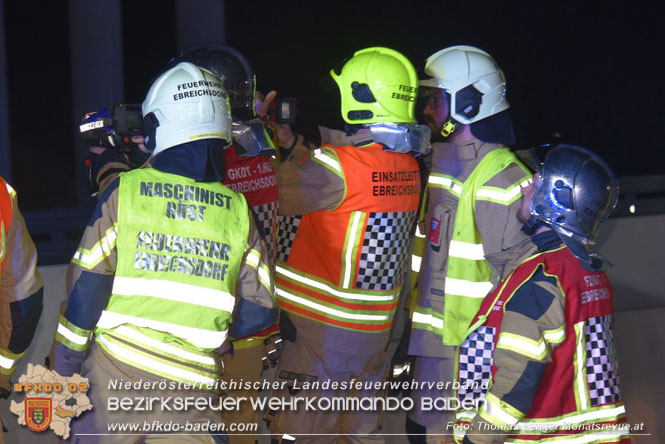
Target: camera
column 283, row 111
column 113, row 127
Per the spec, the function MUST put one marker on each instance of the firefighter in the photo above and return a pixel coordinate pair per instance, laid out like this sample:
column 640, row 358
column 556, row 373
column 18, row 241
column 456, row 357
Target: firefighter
column 342, row 246
column 169, row 259
column 21, row 288
column 471, row 208
column 250, row 171
column 542, row 340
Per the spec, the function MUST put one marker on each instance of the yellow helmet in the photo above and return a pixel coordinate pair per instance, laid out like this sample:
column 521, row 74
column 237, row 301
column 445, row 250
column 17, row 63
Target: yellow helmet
column 377, row 85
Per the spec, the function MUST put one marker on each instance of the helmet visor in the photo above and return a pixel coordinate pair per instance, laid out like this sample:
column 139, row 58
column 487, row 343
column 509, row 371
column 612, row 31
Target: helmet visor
column 251, row 139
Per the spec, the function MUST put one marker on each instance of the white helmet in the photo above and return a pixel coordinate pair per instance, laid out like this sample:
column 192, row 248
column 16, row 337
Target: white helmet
column 185, row 104
column 476, row 84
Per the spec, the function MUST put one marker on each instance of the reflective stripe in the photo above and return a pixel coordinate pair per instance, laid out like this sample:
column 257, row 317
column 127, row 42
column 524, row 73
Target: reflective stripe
column 555, row 336
column 7, row 363
column 129, row 356
column 174, row 291
column 419, row 232
column 366, row 317
column 415, row 262
column 425, row 318
column 580, row 418
column 328, row 289
column 399, row 369
column 197, row 336
column 10, row 190
column 446, row 182
column 466, row 414
column 528, row 347
column 318, row 154
column 604, row 436
column 461, row 287
column 90, row 258
column 498, row 194
column 493, row 408
column 466, row 250
column 254, row 259
column 357, row 215
column 524, row 346
column 580, row 369
column 159, row 345
column 72, row 336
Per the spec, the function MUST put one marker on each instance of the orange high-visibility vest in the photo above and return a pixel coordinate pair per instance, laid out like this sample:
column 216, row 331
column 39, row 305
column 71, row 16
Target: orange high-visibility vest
column 344, row 267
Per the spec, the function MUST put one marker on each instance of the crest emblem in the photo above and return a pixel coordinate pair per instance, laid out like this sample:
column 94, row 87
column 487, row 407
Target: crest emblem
column 38, row 413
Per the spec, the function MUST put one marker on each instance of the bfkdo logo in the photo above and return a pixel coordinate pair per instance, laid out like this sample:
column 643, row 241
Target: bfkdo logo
column 38, row 413
column 51, row 400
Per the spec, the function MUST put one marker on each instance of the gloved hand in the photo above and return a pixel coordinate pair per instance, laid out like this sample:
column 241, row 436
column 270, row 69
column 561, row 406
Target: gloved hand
column 104, row 162
column 284, row 134
column 273, row 346
column 401, row 364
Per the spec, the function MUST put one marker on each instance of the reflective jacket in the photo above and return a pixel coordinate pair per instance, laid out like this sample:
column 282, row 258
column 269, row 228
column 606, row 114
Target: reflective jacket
column 6, row 210
column 471, row 214
column 182, row 256
column 343, row 267
column 540, row 354
column 21, row 293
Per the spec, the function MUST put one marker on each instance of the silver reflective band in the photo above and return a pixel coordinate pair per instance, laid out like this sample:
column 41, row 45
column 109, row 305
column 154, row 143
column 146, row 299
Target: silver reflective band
column 415, row 263
column 128, row 355
column 250, row 138
column 402, row 137
column 595, row 415
column 471, row 289
column 423, row 318
column 318, row 154
column 153, row 343
column 328, row 289
column 466, row 250
column 174, row 291
column 199, row 337
column 6, row 363
column 399, row 369
column 70, row 335
column 349, row 249
column 322, row 308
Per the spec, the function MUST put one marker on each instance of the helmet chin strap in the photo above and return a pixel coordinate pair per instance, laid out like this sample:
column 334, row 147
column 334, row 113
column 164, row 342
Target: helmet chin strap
column 530, row 226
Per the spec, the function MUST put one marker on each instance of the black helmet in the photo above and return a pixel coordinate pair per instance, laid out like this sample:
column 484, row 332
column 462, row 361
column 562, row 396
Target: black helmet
column 577, row 192
column 232, row 68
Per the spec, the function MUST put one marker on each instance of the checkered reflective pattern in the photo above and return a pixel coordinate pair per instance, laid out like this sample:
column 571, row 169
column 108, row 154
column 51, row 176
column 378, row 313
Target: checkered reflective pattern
column 288, row 225
column 266, row 215
column 602, row 364
column 475, row 363
column 384, row 251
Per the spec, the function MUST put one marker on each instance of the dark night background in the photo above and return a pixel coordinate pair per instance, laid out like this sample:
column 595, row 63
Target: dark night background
column 591, row 71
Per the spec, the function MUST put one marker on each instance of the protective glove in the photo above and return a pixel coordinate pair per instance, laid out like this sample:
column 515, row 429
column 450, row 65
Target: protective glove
column 102, row 163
